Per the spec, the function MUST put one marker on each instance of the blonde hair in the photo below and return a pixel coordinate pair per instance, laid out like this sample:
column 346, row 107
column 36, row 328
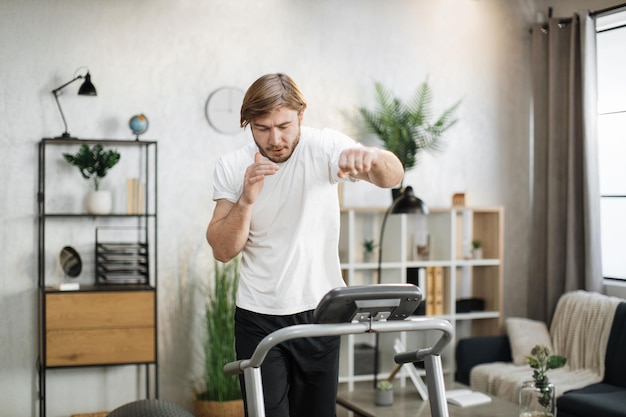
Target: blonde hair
column 267, row 94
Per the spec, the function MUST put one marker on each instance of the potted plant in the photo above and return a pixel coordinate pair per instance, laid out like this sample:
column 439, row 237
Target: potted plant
column 537, row 397
column 219, row 395
column 405, row 128
column 384, row 393
column 368, row 250
column 94, row 163
column 477, row 249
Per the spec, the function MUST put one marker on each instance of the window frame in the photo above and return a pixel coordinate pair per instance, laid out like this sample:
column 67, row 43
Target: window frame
column 611, row 142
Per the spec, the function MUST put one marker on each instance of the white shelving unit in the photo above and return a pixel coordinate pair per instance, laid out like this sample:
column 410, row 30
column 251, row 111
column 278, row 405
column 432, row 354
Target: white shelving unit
column 448, row 234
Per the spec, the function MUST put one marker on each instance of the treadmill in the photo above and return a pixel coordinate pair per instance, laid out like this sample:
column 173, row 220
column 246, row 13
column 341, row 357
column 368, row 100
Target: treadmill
column 380, row 308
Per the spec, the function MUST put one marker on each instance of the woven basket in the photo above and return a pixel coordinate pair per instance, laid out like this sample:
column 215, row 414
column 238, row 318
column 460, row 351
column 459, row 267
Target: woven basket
column 218, row 409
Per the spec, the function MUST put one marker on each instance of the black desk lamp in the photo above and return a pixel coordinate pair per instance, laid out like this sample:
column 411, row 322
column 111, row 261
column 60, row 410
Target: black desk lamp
column 405, row 203
column 86, row 89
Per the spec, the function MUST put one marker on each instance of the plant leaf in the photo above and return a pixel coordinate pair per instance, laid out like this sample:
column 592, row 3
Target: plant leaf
column 405, row 128
column 220, row 334
column 93, row 163
column 556, row 361
column 533, row 362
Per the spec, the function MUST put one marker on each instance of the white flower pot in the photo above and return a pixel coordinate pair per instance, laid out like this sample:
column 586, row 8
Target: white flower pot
column 99, row 202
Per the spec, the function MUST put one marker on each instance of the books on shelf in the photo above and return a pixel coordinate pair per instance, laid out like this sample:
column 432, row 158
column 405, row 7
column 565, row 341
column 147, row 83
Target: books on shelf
column 465, row 397
column 430, row 291
column 439, row 290
column 435, row 290
column 135, row 196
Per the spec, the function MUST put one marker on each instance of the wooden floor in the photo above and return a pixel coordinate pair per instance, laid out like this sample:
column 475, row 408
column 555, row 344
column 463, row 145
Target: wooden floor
column 342, row 412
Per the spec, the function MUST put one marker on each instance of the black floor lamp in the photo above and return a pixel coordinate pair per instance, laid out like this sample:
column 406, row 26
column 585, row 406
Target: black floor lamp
column 404, row 203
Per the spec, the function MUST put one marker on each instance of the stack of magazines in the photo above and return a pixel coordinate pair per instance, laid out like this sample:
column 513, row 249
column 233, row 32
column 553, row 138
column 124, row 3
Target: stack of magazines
column 122, row 263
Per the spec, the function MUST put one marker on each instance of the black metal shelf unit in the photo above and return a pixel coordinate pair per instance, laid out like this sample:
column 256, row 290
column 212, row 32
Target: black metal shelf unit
column 119, row 292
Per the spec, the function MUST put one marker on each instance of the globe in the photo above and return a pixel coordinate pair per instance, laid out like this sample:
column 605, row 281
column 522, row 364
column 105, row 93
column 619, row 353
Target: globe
column 138, row 124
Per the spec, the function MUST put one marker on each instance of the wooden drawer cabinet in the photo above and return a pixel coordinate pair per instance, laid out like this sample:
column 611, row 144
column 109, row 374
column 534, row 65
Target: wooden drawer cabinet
column 99, row 328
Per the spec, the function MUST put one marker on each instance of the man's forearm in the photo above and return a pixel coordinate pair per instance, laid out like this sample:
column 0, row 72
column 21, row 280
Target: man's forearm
column 387, row 171
column 229, row 234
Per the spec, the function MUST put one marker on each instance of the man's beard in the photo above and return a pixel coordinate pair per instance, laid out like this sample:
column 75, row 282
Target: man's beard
column 277, row 160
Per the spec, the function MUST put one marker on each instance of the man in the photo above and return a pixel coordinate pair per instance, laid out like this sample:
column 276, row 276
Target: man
column 277, row 204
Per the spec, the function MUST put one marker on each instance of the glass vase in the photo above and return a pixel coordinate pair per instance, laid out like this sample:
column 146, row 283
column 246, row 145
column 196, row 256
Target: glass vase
column 537, row 401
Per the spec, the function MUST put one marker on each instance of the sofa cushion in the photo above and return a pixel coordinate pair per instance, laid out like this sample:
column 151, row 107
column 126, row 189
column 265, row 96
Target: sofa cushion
column 524, row 334
column 601, row 399
column 475, row 350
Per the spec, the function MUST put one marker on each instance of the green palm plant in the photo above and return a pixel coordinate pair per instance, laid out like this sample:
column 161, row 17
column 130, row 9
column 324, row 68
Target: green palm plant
column 405, row 127
column 219, row 341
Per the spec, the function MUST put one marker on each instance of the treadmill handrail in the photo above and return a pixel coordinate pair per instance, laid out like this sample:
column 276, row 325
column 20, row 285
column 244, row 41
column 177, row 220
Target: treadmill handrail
column 338, row 329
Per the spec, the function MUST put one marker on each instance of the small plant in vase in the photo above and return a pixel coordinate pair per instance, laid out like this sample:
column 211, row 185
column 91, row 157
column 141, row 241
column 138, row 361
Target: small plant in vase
column 477, row 249
column 94, row 163
column 368, row 250
column 384, row 393
column 540, row 391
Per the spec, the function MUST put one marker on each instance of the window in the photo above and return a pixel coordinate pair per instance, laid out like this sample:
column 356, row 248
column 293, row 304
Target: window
column 611, row 62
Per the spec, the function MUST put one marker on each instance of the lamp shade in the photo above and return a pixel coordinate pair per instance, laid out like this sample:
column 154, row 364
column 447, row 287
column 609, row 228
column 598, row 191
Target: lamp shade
column 87, row 88
column 407, row 202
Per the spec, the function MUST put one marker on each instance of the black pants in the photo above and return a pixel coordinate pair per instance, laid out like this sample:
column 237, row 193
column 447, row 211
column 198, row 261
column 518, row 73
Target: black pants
column 299, row 376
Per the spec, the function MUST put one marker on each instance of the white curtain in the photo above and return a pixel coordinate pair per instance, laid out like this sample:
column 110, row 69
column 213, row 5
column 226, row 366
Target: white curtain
column 565, row 251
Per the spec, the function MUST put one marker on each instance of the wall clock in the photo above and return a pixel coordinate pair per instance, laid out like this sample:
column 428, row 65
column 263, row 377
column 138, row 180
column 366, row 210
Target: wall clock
column 222, row 109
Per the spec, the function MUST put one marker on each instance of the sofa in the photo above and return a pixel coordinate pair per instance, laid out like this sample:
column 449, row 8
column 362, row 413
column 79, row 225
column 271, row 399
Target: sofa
column 588, row 328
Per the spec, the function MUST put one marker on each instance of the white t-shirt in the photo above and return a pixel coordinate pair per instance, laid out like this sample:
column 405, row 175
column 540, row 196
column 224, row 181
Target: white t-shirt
column 290, row 260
